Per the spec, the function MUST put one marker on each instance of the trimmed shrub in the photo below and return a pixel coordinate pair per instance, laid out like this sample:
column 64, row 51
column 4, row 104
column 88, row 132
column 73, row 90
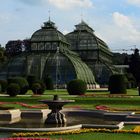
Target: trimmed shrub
column 31, row 79
column 76, row 87
column 22, row 82
column 131, row 81
column 4, row 85
column 13, row 89
column 117, row 84
column 37, row 88
column 0, row 88
column 43, row 87
column 49, row 83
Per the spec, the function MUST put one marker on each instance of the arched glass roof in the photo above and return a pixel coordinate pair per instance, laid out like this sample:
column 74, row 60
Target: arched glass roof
column 84, row 34
column 48, row 33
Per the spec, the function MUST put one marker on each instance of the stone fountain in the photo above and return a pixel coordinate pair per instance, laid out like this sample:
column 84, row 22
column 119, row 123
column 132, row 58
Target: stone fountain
column 55, row 105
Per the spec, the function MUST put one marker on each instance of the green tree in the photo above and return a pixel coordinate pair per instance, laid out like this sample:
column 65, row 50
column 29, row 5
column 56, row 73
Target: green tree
column 3, row 57
column 134, row 67
column 49, row 83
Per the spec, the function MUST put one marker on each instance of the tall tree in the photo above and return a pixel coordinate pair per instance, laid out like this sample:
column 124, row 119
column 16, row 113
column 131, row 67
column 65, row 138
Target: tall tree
column 134, row 67
column 13, row 47
column 16, row 47
column 3, row 57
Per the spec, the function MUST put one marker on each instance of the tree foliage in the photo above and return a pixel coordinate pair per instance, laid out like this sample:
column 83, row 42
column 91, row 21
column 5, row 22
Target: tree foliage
column 13, row 48
column 134, row 65
column 49, row 83
column 117, row 84
column 16, row 47
column 3, row 57
column 76, row 87
column 13, row 89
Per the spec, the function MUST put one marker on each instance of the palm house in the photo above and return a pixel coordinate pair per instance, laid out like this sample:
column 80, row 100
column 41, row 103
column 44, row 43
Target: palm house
column 93, row 51
column 51, row 55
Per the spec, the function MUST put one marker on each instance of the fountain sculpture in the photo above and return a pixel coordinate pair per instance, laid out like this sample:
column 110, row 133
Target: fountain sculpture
column 55, row 116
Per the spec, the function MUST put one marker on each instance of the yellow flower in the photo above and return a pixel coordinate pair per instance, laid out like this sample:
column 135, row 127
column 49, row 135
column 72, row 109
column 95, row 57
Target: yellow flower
column 137, row 128
column 33, row 134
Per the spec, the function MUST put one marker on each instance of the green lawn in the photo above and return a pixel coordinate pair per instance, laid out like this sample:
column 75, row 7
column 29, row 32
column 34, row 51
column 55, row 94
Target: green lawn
column 88, row 102
column 100, row 136
column 92, row 136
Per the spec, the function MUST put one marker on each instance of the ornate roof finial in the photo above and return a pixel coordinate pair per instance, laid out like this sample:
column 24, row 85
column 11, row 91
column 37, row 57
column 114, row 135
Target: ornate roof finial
column 81, row 16
column 49, row 15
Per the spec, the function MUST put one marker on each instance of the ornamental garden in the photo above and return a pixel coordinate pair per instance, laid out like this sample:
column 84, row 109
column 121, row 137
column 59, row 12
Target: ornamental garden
column 106, row 100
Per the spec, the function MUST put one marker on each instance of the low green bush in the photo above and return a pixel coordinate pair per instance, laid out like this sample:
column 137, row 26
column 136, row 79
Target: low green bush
column 22, row 82
column 43, row 87
column 49, row 83
column 4, row 85
column 117, row 84
column 76, row 87
column 31, row 79
column 0, row 88
column 13, row 89
column 37, row 88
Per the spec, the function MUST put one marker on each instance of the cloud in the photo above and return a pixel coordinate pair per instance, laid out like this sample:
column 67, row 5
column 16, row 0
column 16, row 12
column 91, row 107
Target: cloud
column 119, row 31
column 125, row 25
column 61, row 4
column 31, row 2
column 65, row 32
column 6, row 18
column 134, row 2
column 69, row 4
column 122, row 20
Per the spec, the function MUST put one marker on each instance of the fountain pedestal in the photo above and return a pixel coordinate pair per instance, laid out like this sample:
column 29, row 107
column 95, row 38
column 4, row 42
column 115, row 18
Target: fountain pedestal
column 55, row 117
column 55, row 105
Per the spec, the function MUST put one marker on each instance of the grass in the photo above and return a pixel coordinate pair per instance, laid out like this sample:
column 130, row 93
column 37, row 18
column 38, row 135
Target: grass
column 88, row 102
column 84, row 102
column 132, row 100
column 99, row 136
column 129, row 127
column 92, row 136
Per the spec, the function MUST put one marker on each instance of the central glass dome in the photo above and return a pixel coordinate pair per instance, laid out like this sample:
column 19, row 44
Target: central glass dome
column 47, row 38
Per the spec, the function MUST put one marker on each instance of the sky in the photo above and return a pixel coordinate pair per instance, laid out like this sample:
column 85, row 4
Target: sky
column 117, row 22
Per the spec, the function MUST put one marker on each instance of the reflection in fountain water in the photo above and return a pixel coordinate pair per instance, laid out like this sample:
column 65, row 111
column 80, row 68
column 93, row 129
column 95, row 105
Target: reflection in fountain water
column 39, row 123
column 76, row 119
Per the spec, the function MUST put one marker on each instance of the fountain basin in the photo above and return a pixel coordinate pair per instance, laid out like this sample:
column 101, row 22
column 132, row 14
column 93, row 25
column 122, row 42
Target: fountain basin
column 56, row 103
column 9, row 115
column 35, row 123
column 12, row 129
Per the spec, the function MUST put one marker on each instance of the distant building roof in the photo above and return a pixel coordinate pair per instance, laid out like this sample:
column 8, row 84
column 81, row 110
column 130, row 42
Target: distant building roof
column 84, row 31
column 84, row 26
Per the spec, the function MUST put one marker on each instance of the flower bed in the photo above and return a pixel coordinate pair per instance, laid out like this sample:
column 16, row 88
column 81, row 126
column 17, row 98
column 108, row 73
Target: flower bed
column 40, row 134
column 107, row 108
column 106, row 95
column 30, row 139
column 137, row 128
column 24, row 105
